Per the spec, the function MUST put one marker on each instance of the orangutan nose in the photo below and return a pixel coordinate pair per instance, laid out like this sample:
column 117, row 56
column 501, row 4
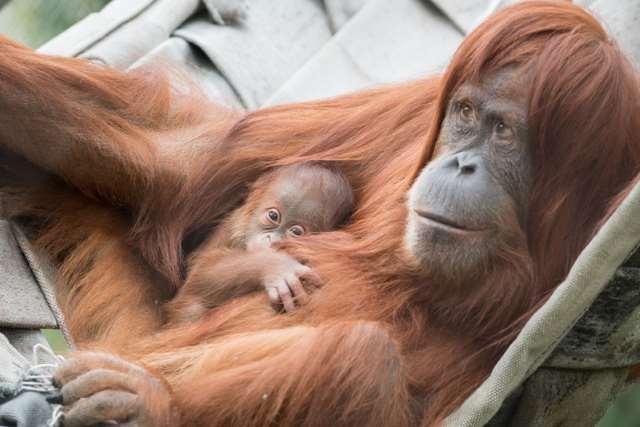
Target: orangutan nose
column 464, row 163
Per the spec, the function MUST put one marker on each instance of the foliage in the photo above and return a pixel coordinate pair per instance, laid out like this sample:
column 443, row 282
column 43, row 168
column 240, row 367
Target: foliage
column 33, row 22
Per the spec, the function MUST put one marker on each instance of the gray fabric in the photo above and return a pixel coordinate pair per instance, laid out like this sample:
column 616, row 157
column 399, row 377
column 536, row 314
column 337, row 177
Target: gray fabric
column 12, row 363
column 45, row 275
column 22, row 303
column 28, row 409
column 622, row 20
column 24, row 340
column 225, row 12
column 385, row 42
column 24, row 384
column 340, row 12
column 123, row 31
column 197, row 66
column 465, row 14
column 259, row 56
column 95, row 27
column 251, row 58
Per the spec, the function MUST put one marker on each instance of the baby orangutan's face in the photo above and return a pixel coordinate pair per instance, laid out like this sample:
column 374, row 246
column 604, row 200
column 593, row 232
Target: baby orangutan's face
column 274, row 225
column 288, row 209
column 298, row 202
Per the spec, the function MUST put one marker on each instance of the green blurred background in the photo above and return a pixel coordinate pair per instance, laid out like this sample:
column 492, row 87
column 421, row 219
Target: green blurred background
column 33, row 22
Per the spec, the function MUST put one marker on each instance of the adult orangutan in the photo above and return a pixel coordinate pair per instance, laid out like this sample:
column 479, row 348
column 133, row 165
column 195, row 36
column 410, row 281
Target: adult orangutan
column 518, row 151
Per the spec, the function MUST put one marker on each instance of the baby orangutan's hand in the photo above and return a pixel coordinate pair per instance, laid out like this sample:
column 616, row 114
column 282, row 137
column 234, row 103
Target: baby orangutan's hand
column 283, row 281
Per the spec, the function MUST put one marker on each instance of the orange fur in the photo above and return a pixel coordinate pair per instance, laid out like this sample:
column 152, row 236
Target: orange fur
column 378, row 344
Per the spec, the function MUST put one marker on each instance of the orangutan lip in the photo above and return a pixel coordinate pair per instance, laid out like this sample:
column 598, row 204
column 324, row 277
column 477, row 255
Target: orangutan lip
column 441, row 220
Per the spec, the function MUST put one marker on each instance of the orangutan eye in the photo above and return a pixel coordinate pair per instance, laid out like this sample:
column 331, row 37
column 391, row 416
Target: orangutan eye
column 502, row 130
column 273, row 215
column 466, row 111
column 296, row 231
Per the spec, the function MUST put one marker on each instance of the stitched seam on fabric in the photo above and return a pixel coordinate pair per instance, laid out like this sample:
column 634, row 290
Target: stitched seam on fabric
column 44, row 284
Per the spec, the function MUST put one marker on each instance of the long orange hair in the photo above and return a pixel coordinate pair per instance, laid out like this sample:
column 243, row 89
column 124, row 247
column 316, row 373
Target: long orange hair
column 583, row 116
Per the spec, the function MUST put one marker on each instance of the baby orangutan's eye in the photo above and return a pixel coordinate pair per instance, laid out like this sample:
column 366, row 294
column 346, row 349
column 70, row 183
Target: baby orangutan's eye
column 273, row 216
column 296, row 231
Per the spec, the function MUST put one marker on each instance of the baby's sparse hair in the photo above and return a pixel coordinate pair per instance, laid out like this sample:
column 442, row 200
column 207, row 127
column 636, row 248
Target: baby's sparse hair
column 333, row 183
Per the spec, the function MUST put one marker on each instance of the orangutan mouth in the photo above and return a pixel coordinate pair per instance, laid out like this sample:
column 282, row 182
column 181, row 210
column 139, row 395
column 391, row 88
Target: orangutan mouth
column 443, row 221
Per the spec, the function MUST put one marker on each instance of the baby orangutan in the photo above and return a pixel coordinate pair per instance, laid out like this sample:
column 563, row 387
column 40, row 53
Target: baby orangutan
column 237, row 259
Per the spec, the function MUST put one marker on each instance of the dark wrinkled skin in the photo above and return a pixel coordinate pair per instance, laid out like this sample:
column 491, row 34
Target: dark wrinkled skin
column 473, row 196
column 99, row 388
